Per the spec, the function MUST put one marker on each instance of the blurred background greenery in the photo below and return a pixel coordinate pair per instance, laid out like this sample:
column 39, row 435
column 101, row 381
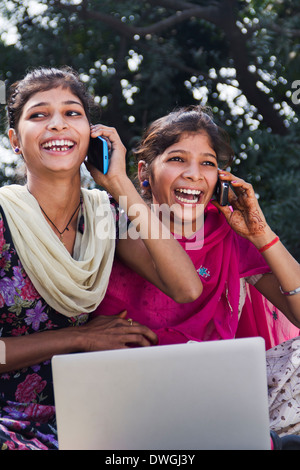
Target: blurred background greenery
column 143, row 58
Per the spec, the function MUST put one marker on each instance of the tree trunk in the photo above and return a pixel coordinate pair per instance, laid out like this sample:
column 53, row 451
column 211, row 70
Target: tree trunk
column 247, row 80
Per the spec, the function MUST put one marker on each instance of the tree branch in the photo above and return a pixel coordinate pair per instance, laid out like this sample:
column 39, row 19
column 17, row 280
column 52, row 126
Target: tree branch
column 207, row 13
column 247, row 80
column 221, row 14
column 180, row 5
column 281, row 30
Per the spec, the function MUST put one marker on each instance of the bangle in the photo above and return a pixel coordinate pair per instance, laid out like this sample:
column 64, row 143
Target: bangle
column 291, row 292
column 268, row 245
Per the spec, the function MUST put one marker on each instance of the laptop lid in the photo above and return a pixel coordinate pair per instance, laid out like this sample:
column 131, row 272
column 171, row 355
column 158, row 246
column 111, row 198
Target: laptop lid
column 209, row 395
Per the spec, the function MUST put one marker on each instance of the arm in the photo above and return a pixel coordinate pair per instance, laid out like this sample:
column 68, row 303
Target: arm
column 269, row 287
column 99, row 334
column 247, row 219
column 155, row 255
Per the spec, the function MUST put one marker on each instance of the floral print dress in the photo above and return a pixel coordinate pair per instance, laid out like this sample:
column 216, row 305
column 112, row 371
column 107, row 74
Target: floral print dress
column 27, row 413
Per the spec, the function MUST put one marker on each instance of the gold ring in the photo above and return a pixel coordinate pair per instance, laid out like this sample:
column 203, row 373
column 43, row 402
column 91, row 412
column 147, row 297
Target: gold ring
column 130, row 321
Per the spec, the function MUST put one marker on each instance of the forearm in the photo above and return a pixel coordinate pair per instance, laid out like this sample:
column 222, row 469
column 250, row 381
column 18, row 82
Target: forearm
column 28, row 350
column 247, row 219
column 99, row 334
column 146, row 223
column 285, row 268
column 166, row 253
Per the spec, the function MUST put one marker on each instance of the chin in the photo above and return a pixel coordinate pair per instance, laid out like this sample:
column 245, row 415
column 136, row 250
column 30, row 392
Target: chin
column 188, row 219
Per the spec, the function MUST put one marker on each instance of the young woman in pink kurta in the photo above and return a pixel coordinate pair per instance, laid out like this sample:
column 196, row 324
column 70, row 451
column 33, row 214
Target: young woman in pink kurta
column 179, row 157
column 245, row 270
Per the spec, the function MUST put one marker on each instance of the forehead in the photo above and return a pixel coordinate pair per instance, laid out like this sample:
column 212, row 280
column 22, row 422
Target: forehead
column 53, row 96
column 192, row 142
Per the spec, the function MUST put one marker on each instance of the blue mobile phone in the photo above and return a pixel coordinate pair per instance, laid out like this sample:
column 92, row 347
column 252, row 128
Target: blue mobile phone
column 98, row 154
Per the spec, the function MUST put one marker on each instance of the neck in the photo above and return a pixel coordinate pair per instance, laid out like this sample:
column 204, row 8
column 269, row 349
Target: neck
column 59, row 203
column 186, row 221
column 54, row 195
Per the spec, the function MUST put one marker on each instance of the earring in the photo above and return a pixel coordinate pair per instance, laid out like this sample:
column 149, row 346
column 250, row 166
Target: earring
column 145, row 184
column 17, row 150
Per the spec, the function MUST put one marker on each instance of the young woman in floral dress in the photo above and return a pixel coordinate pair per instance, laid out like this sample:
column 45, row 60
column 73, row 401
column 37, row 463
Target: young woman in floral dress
column 58, row 241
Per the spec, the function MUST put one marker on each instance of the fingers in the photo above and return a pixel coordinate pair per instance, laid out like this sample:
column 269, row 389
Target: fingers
column 121, row 327
column 141, row 331
column 118, row 341
column 109, row 133
column 239, row 189
column 237, row 183
column 227, row 211
column 241, row 195
column 100, row 129
column 130, row 336
column 117, row 161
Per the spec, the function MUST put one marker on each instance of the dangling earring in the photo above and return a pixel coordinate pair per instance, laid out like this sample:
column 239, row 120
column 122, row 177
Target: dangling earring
column 145, row 184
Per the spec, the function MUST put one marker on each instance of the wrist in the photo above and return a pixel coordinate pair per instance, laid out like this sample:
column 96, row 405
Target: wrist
column 262, row 240
column 119, row 186
column 74, row 339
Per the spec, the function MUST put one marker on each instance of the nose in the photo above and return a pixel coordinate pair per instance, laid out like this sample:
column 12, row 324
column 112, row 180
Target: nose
column 57, row 122
column 193, row 171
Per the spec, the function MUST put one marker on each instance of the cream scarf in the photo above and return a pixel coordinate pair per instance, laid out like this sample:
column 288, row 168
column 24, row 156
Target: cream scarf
column 71, row 285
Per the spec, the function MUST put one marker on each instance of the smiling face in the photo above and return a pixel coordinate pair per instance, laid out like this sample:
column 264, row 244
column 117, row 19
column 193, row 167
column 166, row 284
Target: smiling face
column 184, row 176
column 53, row 132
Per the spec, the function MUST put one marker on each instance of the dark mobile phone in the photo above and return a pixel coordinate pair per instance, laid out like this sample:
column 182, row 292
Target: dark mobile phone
column 98, row 154
column 221, row 192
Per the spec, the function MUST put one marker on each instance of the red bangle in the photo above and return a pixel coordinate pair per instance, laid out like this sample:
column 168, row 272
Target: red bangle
column 268, row 245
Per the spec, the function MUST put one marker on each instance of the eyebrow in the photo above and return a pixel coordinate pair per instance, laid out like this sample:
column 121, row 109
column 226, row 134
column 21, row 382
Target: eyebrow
column 45, row 103
column 205, row 154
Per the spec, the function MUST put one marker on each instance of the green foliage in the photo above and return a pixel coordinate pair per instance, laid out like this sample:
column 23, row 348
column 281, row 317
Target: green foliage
column 141, row 60
column 272, row 166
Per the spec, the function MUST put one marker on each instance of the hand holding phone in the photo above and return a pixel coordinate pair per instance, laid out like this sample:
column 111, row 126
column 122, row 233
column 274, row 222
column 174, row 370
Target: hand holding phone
column 98, row 154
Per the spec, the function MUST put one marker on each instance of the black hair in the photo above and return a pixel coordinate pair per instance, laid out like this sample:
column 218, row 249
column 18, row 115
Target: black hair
column 43, row 79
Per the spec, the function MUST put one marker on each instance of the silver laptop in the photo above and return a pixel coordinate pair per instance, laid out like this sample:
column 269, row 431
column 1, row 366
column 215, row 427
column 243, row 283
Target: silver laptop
column 209, row 395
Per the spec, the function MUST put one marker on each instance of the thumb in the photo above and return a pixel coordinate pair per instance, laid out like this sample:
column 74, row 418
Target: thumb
column 225, row 210
column 122, row 314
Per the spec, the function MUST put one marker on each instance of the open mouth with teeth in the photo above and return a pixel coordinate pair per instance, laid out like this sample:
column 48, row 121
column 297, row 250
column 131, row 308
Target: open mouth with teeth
column 61, row 145
column 188, row 196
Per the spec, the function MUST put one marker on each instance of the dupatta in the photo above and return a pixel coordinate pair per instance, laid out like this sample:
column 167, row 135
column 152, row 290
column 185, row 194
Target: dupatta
column 224, row 258
column 70, row 285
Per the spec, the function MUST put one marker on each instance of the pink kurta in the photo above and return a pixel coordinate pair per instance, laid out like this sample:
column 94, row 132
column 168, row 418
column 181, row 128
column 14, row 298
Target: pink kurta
column 223, row 260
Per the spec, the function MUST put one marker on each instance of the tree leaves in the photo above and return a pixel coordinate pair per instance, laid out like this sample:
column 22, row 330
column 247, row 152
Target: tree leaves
column 143, row 58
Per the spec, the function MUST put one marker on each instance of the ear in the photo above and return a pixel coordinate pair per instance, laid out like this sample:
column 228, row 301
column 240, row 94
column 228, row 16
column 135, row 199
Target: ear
column 142, row 171
column 14, row 140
